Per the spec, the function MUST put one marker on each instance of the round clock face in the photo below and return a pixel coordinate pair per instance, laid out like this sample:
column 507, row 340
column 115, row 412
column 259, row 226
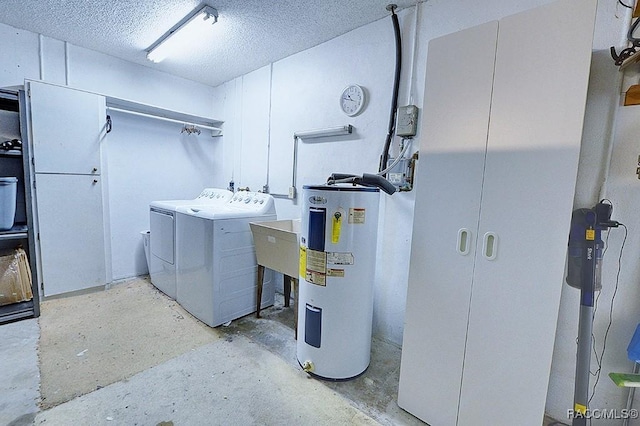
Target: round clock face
column 352, row 100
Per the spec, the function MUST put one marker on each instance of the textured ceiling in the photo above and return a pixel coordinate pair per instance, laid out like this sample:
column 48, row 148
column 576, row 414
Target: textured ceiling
column 249, row 33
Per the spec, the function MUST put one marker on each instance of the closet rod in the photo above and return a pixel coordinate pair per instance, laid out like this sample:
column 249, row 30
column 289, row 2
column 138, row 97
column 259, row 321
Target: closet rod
column 158, row 117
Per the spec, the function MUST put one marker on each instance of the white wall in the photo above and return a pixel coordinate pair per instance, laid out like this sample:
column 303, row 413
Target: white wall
column 304, row 95
column 150, row 160
column 19, row 53
column 147, row 159
column 305, row 91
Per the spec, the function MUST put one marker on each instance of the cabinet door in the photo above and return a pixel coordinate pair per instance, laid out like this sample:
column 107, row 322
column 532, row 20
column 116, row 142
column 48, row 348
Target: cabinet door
column 541, row 77
column 72, row 245
column 448, row 185
column 67, row 126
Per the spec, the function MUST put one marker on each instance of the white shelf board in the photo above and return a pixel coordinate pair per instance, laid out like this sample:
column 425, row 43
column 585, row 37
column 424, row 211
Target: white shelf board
column 136, row 107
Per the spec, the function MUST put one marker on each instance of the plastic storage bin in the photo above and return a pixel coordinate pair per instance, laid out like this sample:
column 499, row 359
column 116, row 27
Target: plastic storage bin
column 8, row 192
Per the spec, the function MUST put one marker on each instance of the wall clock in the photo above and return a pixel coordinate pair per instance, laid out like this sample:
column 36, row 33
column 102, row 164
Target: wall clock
column 352, row 100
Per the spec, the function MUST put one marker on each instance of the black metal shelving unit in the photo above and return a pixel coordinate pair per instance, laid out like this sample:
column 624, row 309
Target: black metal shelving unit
column 22, row 234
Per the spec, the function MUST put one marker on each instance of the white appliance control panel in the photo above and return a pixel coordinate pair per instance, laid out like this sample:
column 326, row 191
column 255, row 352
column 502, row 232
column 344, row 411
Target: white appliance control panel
column 241, row 204
column 213, row 194
column 251, row 201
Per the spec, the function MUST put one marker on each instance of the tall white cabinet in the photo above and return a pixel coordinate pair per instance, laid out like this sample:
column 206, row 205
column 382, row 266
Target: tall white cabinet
column 67, row 131
column 502, row 127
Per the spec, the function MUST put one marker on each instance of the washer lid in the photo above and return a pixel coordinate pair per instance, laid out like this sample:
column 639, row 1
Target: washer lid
column 172, row 205
column 208, row 196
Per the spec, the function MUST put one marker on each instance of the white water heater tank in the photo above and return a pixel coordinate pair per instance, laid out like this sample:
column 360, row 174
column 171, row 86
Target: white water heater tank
column 338, row 240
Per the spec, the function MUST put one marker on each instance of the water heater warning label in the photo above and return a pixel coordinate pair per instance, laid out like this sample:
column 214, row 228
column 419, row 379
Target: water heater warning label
column 339, row 273
column 316, row 270
column 356, row 215
column 303, row 261
column 335, row 258
column 316, row 278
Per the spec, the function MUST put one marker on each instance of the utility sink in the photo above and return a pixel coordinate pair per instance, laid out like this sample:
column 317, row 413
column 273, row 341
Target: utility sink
column 277, row 245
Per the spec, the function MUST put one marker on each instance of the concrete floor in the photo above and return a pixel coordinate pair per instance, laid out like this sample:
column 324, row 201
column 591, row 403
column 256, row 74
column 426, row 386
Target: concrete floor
column 19, row 387
column 249, row 376
column 111, row 336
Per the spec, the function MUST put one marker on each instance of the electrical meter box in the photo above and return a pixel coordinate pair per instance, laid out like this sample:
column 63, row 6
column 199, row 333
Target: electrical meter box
column 407, row 124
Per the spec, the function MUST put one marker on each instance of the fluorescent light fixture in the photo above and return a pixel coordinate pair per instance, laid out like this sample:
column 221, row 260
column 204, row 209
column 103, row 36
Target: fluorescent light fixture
column 184, row 35
column 321, row 133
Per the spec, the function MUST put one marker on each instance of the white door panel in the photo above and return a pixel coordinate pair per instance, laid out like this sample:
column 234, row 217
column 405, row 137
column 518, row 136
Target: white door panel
column 163, row 236
column 72, row 246
column 504, row 281
column 448, row 185
column 66, row 127
column 532, row 158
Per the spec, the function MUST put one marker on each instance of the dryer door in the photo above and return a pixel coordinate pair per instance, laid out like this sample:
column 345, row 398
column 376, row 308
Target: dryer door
column 162, row 235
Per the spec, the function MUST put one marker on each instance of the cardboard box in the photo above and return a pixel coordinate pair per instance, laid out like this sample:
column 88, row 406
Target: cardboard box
column 15, row 277
column 277, row 245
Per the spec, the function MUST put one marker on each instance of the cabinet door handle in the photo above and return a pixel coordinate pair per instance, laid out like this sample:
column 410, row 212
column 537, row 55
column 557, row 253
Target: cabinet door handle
column 490, row 246
column 463, row 244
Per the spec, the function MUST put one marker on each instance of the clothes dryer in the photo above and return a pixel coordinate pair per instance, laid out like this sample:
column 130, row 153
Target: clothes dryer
column 162, row 267
column 216, row 260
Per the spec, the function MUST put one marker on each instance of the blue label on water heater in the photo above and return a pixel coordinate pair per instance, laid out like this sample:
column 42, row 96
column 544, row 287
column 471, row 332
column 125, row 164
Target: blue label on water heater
column 313, row 326
column 317, row 228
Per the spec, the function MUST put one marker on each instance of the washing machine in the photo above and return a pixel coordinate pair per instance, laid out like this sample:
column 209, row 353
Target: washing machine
column 162, row 265
column 216, row 259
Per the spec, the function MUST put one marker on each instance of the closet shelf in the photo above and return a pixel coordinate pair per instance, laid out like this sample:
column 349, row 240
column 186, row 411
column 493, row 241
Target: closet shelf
column 18, row 232
column 16, row 311
column 10, row 153
column 137, row 108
